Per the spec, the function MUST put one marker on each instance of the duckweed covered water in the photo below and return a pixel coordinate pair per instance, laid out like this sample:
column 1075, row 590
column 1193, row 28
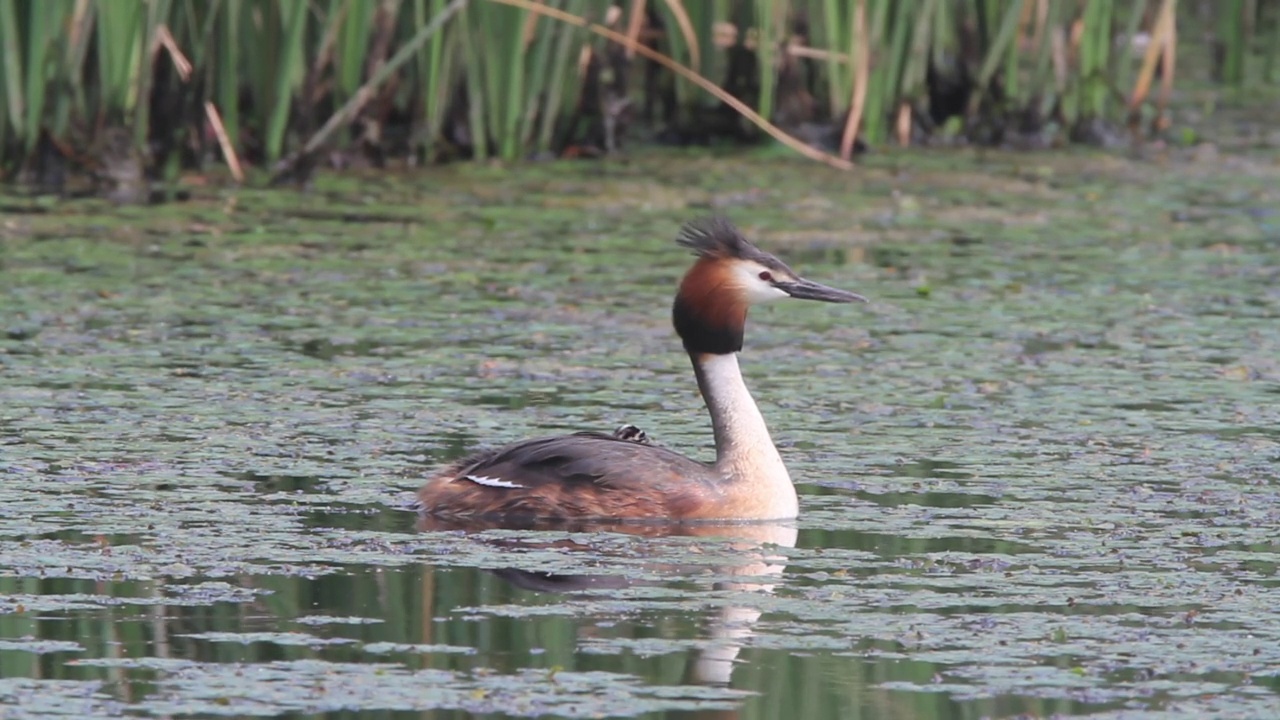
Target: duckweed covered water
column 1038, row 472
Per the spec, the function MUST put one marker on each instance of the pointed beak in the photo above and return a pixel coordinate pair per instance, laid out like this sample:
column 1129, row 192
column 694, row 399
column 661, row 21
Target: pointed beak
column 802, row 289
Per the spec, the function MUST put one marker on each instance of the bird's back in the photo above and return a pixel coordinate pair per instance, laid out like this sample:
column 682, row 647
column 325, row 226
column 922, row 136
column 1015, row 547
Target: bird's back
column 584, row 475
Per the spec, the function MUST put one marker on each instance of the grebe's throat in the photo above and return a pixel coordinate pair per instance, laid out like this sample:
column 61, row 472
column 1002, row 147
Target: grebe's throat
column 744, row 450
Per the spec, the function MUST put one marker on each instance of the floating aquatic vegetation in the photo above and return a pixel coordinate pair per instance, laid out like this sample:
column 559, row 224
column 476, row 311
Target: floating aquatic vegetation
column 1047, row 485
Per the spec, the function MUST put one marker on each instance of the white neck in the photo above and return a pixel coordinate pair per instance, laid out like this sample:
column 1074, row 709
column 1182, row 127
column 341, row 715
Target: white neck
column 745, row 454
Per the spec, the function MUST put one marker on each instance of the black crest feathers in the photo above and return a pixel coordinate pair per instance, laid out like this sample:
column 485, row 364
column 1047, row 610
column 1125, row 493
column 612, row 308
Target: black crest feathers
column 715, row 237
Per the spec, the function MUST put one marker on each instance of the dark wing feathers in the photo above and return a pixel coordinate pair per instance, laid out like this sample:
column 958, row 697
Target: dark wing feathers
column 586, row 474
column 583, row 457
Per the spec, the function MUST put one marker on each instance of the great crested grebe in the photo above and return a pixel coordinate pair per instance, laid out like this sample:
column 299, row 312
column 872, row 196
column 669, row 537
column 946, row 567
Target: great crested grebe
column 622, row 476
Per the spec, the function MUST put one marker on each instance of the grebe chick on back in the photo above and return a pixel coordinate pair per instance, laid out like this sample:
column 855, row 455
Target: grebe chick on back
column 613, row 476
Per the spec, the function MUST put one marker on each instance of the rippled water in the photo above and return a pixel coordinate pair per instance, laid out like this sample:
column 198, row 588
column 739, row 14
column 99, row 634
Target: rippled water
column 1038, row 472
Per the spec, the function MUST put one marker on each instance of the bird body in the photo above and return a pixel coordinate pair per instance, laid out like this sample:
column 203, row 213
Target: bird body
column 592, row 475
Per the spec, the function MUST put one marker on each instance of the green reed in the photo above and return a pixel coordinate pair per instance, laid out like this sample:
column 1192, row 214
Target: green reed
column 500, row 80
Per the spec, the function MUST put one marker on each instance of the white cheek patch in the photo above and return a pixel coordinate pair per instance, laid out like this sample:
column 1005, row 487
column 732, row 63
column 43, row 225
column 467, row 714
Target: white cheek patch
column 763, row 292
column 491, row 482
column 757, row 290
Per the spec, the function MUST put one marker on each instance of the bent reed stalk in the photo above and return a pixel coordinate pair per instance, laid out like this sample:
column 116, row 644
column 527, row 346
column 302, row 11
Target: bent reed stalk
column 254, row 81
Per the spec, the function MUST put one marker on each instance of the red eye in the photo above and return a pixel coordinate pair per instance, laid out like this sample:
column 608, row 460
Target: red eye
column 766, row 276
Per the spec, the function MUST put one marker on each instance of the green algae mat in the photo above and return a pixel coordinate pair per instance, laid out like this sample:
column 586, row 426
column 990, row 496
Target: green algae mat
column 1039, row 473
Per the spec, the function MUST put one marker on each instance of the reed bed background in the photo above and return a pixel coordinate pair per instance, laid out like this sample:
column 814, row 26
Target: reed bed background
column 128, row 86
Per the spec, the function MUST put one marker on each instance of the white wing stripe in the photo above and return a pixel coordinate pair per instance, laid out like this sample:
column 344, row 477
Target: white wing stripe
column 491, row 482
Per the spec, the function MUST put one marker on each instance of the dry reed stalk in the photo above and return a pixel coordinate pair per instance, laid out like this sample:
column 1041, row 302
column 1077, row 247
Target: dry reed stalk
column 697, row 79
column 1161, row 35
column 1161, row 120
column 812, row 53
column 224, row 142
column 530, row 27
column 634, row 25
column 164, row 39
column 686, row 28
column 348, row 111
column 1041, row 24
column 861, row 74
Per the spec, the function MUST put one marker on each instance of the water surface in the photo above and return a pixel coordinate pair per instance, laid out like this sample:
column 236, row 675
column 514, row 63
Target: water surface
column 1038, row 471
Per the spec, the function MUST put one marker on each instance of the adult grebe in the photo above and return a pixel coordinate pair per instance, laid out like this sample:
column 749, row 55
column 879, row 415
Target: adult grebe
column 623, row 477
